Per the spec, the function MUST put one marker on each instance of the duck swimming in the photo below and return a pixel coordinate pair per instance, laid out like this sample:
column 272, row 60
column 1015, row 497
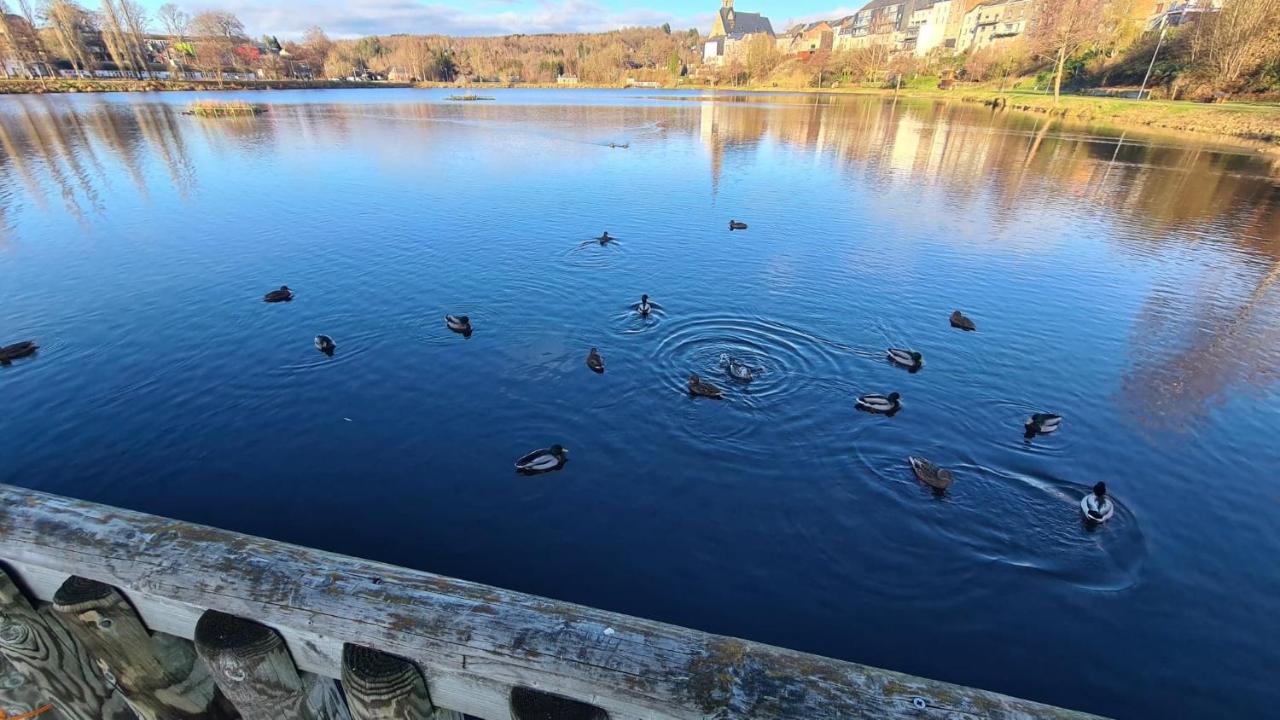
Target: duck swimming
column 9, row 353
column 541, row 461
column 459, row 324
column 930, row 474
column 1042, row 424
column 284, row 294
column 325, row 344
column 883, row 404
column 958, row 320
column 644, row 308
column 735, row 225
column 605, row 239
column 699, row 388
column 1097, row 506
column 737, row 369
column 908, row 359
column 595, row 362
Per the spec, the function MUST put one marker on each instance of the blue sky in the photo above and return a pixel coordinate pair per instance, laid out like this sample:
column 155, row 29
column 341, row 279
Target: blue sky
column 348, row 18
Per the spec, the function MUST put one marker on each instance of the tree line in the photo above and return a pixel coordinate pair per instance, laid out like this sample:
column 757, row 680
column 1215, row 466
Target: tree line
column 68, row 35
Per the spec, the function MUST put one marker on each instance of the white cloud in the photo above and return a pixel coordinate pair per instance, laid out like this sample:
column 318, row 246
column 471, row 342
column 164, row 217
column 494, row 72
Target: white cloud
column 355, row 18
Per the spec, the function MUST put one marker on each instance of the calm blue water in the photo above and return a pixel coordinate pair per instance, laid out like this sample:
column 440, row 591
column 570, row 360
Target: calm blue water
column 1126, row 283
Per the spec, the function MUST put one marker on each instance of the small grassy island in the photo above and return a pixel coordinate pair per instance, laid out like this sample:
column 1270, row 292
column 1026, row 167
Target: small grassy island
column 214, row 108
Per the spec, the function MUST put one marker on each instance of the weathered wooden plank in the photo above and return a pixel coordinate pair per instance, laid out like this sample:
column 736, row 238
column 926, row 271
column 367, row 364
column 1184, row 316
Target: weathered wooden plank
column 18, row 695
column 475, row 642
column 159, row 676
column 384, row 687
column 252, row 667
column 43, row 651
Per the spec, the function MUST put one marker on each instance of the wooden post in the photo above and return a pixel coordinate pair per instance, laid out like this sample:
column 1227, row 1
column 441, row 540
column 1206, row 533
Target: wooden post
column 159, row 676
column 42, row 650
column 528, row 704
column 252, row 667
column 384, row 687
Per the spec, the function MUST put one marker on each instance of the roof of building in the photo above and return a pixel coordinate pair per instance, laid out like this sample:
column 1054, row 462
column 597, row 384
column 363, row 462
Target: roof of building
column 874, row 4
column 744, row 22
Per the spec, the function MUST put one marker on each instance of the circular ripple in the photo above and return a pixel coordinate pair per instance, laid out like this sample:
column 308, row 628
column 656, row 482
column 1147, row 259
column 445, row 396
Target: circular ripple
column 786, row 359
column 630, row 322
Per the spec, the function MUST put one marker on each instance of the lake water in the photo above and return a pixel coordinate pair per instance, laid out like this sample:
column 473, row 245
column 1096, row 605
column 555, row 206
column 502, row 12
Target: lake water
column 1126, row 282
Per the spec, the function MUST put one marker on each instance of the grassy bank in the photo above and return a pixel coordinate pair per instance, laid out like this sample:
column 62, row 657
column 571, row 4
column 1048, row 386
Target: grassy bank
column 70, row 85
column 1255, row 123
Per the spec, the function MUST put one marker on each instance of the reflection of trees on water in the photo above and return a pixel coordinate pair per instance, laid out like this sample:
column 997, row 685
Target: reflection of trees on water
column 1188, row 347
column 80, row 152
column 1191, row 346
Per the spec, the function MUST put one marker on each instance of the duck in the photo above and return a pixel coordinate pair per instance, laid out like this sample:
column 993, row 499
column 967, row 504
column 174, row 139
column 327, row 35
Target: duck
column 284, row 294
column 325, row 344
column 541, row 461
column 909, row 359
column 9, row 353
column 700, row 388
column 885, row 404
column 459, row 324
column 930, row 474
column 1042, row 424
column 605, row 239
column 1097, row 506
column 595, row 362
column 644, row 308
column 958, row 320
column 735, row 225
column 739, row 370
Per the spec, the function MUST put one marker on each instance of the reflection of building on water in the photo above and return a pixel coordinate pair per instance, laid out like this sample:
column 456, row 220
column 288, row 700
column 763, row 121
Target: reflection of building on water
column 969, row 151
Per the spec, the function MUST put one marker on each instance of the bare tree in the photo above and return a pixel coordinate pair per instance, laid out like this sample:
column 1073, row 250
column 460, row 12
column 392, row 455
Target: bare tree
column 70, row 22
column 1063, row 28
column 216, row 34
column 175, row 22
column 23, row 41
column 134, row 22
column 1235, row 41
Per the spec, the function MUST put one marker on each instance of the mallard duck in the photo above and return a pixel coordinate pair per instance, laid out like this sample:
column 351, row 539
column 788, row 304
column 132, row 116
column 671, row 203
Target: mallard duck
column 540, row 461
column 459, row 324
column 737, row 369
column 9, row 353
column 605, row 239
column 909, row 359
column 886, row 404
column 930, row 474
column 735, row 225
column 699, row 388
column 284, row 294
column 958, row 320
column 595, row 362
column 644, row 308
column 1043, row 424
column 1096, row 506
column 325, row 344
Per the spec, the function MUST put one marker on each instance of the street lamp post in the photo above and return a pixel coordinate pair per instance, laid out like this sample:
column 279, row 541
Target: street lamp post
column 1164, row 27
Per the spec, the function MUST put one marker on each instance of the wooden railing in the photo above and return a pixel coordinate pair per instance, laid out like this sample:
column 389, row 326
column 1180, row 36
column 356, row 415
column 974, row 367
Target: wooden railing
column 154, row 618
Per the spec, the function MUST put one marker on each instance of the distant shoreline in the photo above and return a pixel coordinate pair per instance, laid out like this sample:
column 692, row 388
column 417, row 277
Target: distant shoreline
column 54, row 86
column 1253, row 125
